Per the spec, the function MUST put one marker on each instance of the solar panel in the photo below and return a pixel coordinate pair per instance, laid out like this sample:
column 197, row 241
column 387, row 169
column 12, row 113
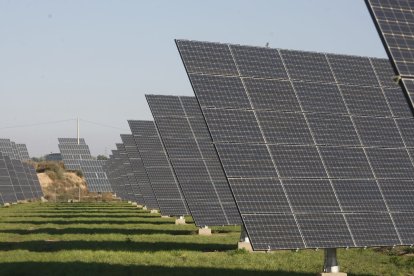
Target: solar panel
column 299, row 181
column 158, row 168
column 23, row 180
column 111, row 167
column 77, row 156
column 23, row 189
column 95, row 176
column 23, row 152
column 129, row 176
column 138, row 171
column 7, row 193
column 394, row 20
column 72, row 152
column 15, row 181
column 121, row 173
column 190, row 149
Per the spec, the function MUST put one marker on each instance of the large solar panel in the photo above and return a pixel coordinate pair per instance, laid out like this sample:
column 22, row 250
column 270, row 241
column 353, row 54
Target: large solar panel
column 190, row 149
column 158, row 168
column 394, row 20
column 129, row 176
column 316, row 147
column 138, row 172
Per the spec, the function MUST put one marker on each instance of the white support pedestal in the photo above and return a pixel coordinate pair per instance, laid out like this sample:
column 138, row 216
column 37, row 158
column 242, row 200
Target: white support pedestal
column 140, row 206
column 331, row 266
column 134, row 204
column 205, row 231
column 180, row 221
column 154, row 211
column 244, row 242
column 165, row 217
column 144, row 208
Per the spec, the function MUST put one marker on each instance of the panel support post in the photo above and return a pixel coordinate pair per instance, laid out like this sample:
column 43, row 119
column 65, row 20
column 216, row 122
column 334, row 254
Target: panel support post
column 244, row 242
column 180, row 220
column 205, row 231
column 331, row 266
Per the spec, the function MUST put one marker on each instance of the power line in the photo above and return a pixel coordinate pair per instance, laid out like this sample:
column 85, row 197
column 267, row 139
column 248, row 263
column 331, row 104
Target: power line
column 37, row 124
column 103, row 125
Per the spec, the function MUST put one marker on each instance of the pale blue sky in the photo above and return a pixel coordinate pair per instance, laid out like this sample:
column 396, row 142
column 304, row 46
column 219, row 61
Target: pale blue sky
column 96, row 59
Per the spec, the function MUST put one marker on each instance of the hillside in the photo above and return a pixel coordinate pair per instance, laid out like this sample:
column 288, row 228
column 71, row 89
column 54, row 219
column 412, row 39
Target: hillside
column 61, row 185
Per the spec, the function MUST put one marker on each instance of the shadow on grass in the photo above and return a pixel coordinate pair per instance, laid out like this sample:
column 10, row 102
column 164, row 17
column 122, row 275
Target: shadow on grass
column 54, row 231
column 127, row 245
column 132, row 216
column 68, row 222
column 101, row 269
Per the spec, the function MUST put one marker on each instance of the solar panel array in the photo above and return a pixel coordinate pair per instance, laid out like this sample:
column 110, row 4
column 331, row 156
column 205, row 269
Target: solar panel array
column 18, row 179
column 138, row 172
column 317, row 148
column 77, row 156
column 394, row 20
column 158, row 168
column 192, row 155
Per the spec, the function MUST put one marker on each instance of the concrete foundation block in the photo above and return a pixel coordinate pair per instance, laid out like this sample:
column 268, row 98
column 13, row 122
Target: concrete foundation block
column 140, row 206
column 144, row 208
column 333, row 274
column 180, row 221
column 6, row 205
column 153, row 211
column 129, row 201
column 134, row 203
column 245, row 245
column 204, row 232
column 165, row 217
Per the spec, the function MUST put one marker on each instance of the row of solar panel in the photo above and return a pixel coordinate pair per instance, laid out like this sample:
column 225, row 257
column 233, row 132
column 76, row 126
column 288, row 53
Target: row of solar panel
column 18, row 178
column 160, row 168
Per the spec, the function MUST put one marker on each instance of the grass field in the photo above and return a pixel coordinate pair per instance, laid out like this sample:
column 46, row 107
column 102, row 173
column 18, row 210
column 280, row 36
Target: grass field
column 118, row 239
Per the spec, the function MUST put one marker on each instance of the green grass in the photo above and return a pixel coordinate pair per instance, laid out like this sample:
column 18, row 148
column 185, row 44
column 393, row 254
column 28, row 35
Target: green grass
column 118, row 239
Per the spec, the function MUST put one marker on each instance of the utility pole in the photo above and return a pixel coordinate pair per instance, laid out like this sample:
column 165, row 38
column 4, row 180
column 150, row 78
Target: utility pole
column 77, row 121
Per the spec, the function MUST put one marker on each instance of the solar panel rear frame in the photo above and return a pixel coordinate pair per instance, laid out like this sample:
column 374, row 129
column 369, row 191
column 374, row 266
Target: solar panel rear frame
column 217, row 89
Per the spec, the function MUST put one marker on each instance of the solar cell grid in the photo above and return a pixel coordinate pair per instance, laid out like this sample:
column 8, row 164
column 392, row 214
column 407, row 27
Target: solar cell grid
column 394, row 20
column 306, row 152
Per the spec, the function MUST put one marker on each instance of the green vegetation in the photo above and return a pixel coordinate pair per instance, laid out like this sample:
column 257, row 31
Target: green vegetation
column 118, row 239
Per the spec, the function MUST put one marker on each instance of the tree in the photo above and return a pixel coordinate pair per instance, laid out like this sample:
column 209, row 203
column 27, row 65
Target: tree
column 101, row 157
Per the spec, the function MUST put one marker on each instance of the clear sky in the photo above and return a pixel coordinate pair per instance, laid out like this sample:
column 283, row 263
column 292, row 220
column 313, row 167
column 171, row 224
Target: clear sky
column 97, row 59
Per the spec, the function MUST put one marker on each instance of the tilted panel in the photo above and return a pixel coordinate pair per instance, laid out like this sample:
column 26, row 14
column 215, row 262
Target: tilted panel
column 154, row 166
column 138, row 172
column 338, row 131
